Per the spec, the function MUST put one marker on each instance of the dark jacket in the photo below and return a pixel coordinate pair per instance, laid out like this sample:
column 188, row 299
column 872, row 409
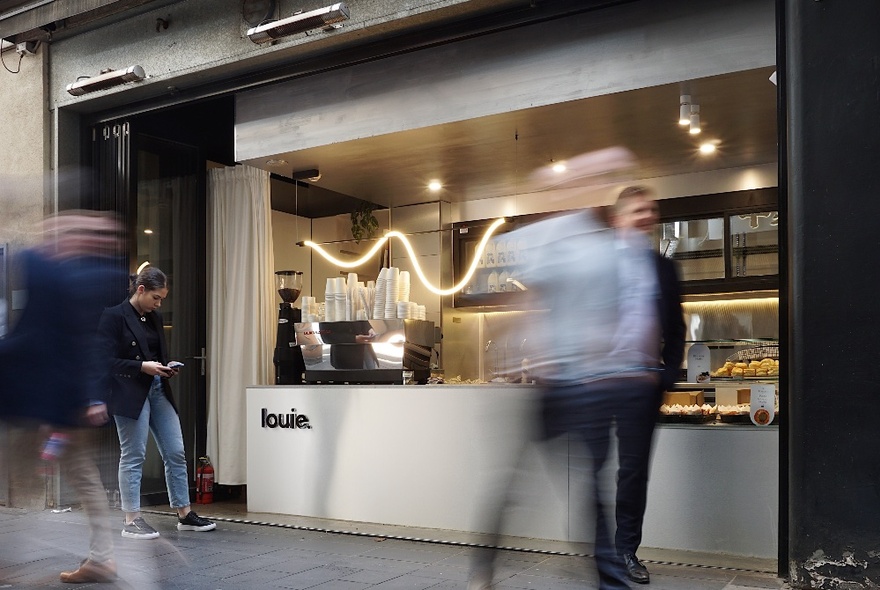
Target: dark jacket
column 671, row 321
column 49, row 368
column 123, row 342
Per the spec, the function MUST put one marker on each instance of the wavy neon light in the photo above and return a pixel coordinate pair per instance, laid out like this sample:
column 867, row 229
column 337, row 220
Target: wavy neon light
column 478, row 253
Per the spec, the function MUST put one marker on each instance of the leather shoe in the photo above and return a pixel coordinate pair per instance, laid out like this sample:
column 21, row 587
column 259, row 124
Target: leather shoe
column 635, row 571
column 90, row 571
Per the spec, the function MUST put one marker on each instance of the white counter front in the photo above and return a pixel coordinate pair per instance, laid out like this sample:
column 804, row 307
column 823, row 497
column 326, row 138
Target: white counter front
column 430, row 456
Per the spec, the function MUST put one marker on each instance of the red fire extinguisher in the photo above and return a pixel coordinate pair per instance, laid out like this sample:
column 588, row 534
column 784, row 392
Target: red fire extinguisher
column 204, row 481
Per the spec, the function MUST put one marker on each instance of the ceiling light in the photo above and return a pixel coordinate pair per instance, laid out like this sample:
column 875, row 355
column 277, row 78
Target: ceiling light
column 148, row 231
column 684, row 110
column 106, row 79
column 435, row 185
column 707, row 148
column 695, row 119
column 559, row 167
column 300, row 23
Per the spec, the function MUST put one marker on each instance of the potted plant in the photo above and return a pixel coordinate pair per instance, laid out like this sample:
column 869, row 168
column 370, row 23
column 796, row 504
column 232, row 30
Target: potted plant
column 363, row 223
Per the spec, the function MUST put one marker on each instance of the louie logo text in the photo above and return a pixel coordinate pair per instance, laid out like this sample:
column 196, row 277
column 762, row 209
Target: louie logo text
column 291, row 420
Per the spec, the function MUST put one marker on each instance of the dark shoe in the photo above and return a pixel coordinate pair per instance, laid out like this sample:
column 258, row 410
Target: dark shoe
column 635, row 571
column 138, row 529
column 194, row 522
column 90, row 571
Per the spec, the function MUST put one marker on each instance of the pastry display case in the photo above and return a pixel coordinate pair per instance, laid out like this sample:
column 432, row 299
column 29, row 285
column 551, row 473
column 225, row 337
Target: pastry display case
column 734, row 340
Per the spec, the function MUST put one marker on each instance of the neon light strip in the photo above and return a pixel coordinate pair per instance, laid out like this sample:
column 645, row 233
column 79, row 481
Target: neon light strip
column 418, row 269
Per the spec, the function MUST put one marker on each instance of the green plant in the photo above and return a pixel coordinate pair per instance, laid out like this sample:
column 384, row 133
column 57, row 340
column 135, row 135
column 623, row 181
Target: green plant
column 363, row 223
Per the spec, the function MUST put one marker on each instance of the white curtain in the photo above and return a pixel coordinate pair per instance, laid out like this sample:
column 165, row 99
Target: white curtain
column 241, row 314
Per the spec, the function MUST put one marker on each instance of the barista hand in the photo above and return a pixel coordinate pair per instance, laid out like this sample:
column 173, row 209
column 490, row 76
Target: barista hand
column 365, row 338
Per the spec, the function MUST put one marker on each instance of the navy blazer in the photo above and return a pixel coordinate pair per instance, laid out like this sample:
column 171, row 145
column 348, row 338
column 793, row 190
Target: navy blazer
column 123, row 342
column 671, row 322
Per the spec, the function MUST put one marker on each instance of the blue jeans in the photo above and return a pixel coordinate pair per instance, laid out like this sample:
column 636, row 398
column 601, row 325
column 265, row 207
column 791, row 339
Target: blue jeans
column 157, row 416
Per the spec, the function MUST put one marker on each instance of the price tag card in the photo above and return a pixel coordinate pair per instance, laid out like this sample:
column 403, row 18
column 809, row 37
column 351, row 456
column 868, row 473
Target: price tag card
column 763, row 404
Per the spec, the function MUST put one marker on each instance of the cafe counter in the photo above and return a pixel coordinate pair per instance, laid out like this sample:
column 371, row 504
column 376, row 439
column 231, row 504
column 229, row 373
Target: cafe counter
column 431, row 456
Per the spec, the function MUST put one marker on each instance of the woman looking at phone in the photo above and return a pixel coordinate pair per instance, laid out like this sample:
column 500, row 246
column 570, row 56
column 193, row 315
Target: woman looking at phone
column 133, row 339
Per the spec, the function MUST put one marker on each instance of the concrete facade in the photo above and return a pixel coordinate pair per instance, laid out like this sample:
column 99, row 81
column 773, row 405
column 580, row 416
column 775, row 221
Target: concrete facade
column 25, row 129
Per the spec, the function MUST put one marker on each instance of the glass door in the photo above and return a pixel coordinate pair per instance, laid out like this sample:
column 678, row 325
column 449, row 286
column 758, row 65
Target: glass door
column 167, row 224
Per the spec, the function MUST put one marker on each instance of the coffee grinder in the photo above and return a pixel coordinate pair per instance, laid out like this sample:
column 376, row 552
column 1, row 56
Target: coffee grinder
column 288, row 359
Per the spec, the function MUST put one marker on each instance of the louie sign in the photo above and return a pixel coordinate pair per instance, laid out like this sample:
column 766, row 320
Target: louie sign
column 290, row 420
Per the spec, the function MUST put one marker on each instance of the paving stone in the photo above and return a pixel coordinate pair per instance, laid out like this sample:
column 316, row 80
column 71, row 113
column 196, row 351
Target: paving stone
column 36, row 547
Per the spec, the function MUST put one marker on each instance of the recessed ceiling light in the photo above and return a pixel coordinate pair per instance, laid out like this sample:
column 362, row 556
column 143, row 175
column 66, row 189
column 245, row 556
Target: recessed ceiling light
column 708, row 148
column 148, row 231
column 559, row 167
column 435, row 185
column 275, row 162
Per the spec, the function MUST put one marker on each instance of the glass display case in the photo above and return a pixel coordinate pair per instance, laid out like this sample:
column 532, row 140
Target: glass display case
column 697, row 245
column 721, row 243
column 754, row 244
column 496, row 278
column 727, row 242
column 732, row 344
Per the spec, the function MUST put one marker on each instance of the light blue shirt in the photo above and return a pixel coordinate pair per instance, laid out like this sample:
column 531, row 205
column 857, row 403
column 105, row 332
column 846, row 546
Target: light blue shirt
column 597, row 294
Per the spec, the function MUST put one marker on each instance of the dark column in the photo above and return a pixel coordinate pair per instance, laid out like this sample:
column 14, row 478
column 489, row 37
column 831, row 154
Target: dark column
column 832, row 90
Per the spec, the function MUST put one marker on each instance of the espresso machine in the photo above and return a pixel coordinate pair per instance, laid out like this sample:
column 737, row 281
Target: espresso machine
column 288, row 359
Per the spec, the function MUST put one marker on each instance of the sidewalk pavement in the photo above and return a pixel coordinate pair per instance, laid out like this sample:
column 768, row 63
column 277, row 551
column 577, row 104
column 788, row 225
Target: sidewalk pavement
column 36, row 546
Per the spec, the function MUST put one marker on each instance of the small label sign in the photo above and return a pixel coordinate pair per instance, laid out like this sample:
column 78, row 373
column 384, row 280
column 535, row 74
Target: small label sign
column 762, row 410
column 699, row 366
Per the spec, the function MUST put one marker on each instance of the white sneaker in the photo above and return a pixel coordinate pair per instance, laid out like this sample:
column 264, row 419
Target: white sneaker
column 138, row 529
column 194, row 522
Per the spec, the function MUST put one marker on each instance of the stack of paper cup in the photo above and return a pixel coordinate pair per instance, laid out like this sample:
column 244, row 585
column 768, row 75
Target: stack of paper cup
column 403, row 295
column 392, row 290
column 330, row 300
column 309, row 309
column 370, row 294
column 422, row 312
column 379, row 295
column 339, row 313
column 306, row 306
column 351, row 303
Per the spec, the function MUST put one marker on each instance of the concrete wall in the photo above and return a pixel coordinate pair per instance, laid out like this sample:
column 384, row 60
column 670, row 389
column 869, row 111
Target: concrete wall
column 23, row 168
column 206, row 41
column 590, row 54
column 23, row 151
